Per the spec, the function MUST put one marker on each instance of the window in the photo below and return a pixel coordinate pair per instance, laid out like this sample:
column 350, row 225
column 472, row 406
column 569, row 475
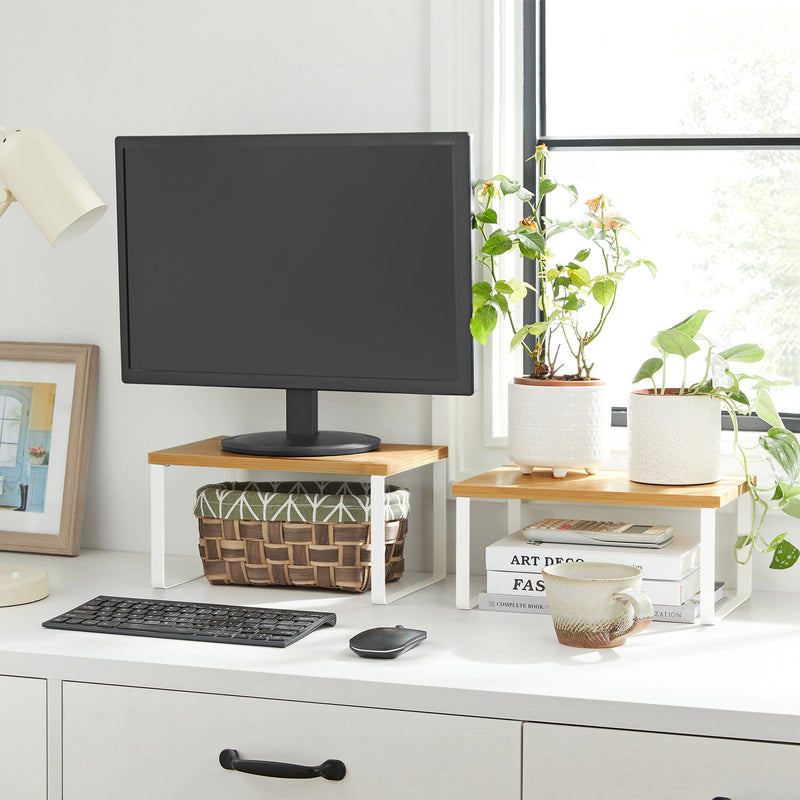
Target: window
column 687, row 116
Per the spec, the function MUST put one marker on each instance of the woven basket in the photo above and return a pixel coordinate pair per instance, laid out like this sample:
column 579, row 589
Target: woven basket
column 324, row 540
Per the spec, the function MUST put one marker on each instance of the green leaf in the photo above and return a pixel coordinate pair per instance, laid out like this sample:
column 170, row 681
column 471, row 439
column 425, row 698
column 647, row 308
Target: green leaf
column 561, row 281
column 741, row 541
column 526, row 251
column 516, row 340
column 533, row 240
column 785, row 556
column 648, row 369
column 783, row 456
column 580, row 276
column 502, row 303
column 572, row 192
column 546, row 185
column 765, row 409
column 503, row 287
column 785, row 491
column 603, row 291
column 497, row 244
column 481, row 292
column 483, row 322
column 706, row 388
column 692, row 324
column 524, row 195
column 676, row 342
column 571, row 303
column 791, row 507
column 489, row 216
column 772, row 546
column 518, row 289
column 538, row 328
column 509, row 186
column 744, row 353
column 582, row 255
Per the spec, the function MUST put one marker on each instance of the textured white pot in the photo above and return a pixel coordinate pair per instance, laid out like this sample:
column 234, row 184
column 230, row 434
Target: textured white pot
column 558, row 425
column 673, row 439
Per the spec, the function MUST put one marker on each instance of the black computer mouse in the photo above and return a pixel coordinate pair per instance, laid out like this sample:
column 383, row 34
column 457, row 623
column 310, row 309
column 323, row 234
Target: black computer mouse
column 386, row 642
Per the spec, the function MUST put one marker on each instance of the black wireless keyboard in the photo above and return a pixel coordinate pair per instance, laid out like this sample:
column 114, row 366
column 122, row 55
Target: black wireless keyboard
column 195, row 622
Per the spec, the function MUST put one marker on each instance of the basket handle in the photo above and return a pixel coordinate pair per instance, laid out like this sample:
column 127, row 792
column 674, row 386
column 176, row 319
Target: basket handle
column 331, row 769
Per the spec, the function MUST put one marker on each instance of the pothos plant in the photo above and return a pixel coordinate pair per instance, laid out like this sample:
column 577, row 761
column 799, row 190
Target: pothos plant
column 740, row 393
column 572, row 301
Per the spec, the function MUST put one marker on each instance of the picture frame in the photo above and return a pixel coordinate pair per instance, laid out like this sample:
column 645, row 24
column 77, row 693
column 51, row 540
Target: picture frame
column 47, row 395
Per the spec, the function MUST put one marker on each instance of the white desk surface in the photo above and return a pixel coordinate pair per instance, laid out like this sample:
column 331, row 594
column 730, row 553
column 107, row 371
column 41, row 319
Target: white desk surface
column 734, row 679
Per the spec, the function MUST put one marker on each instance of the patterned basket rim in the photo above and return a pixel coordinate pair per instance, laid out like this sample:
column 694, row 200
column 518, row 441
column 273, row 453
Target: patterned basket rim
column 310, row 501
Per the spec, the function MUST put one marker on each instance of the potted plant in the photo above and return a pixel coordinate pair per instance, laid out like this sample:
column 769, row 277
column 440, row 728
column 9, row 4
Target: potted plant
column 673, row 429
column 37, row 454
column 556, row 420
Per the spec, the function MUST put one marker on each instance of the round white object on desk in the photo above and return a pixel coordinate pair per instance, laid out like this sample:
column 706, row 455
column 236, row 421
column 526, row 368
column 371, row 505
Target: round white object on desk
column 20, row 585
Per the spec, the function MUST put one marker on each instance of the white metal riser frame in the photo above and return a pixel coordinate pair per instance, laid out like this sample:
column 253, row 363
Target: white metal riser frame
column 379, row 595
column 709, row 615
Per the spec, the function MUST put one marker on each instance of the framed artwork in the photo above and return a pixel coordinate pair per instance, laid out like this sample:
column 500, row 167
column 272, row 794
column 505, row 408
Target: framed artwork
column 47, row 396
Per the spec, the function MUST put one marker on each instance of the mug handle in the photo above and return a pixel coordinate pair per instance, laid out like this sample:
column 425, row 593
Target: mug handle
column 642, row 611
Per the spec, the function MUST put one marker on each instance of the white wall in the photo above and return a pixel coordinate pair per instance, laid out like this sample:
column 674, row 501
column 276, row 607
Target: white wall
column 89, row 70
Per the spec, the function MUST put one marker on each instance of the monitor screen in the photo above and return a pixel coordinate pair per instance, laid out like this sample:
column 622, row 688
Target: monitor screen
column 301, row 262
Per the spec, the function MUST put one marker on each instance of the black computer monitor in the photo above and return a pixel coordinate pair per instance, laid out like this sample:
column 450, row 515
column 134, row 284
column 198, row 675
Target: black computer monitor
column 301, row 262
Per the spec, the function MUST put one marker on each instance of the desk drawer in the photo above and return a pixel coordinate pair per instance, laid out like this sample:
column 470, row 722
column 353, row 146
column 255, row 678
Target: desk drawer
column 23, row 738
column 130, row 743
column 564, row 762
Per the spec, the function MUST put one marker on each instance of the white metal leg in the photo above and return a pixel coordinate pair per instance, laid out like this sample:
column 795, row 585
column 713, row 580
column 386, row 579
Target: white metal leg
column 438, row 533
column 708, row 551
column 744, row 576
column 158, row 530
column 377, row 524
column 463, row 597
column 514, row 512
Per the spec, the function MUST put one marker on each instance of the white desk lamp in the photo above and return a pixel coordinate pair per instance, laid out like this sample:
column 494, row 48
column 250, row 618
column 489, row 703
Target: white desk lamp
column 40, row 176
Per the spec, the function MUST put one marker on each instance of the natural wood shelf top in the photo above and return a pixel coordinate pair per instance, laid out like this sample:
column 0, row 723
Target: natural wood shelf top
column 387, row 460
column 612, row 487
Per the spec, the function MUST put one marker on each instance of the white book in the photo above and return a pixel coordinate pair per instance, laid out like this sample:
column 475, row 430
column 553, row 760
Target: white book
column 687, row 612
column 531, row 584
column 671, row 563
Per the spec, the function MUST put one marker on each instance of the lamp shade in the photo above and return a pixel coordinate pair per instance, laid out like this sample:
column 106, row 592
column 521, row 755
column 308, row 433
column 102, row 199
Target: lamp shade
column 48, row 185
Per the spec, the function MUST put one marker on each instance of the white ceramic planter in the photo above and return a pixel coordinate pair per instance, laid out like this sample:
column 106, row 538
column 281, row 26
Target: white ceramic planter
column 558, row 425
column 673, row 439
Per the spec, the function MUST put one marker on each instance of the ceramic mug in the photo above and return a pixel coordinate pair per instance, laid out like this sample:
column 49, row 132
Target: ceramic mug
column 596, row 605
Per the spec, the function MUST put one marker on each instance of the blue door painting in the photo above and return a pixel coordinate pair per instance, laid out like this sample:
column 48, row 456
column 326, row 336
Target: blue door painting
column 26, row 422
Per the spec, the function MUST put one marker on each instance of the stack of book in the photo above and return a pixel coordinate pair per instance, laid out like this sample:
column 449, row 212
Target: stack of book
column 670, row 573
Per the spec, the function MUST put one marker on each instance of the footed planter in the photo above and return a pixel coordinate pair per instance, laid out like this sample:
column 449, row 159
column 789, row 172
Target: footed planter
column 558, row 425
column 673, row 439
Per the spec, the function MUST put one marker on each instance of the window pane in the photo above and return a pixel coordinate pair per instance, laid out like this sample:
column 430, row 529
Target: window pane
column 10, row 432
column 8, row 455
column 628, row 68
column 721, row 227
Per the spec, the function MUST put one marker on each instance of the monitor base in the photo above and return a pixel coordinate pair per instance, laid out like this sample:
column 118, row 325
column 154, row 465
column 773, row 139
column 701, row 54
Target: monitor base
column 281, row 443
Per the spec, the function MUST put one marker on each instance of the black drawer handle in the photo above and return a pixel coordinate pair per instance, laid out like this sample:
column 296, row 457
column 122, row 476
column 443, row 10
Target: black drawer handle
column 331, row 770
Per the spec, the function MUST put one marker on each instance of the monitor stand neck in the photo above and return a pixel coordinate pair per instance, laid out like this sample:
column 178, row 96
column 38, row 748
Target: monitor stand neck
column 302, row 437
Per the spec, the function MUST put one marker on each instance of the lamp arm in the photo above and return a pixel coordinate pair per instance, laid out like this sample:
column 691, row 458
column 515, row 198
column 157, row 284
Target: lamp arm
column 6, row 199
